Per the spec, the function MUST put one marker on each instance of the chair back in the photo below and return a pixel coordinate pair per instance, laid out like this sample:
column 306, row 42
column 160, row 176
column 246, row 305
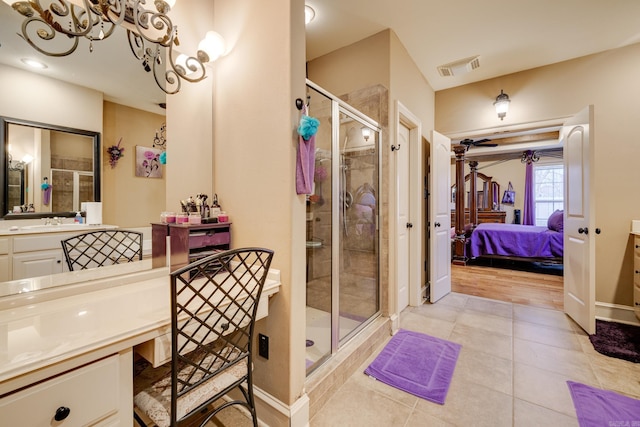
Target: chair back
column 214, row 306
column 101, row 248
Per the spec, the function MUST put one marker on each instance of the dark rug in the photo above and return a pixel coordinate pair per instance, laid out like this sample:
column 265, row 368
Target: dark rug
column 418, row 364
column 617, row 340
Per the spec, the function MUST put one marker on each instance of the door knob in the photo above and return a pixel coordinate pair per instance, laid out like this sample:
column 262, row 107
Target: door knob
column 409, row 225
column 583, row 230
column 437, row 224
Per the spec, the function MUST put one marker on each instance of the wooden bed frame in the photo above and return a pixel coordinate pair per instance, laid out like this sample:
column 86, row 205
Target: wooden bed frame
column 475, row 214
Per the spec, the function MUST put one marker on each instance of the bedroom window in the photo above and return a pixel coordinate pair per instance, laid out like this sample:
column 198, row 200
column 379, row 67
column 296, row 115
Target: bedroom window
column 548, row 188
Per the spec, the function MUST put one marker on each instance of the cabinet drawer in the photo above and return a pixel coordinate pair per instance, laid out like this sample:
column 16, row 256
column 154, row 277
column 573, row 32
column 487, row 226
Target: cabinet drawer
column 4, row 246
column 90, row 392
column 209, row 238
column 40, row 242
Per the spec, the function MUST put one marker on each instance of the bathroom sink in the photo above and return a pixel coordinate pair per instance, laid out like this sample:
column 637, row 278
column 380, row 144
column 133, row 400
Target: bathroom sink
column 53, row 227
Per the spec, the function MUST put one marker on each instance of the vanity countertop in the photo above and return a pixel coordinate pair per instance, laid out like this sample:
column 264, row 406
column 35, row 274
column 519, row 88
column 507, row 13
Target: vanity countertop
column 7, row 228
column 36, row 334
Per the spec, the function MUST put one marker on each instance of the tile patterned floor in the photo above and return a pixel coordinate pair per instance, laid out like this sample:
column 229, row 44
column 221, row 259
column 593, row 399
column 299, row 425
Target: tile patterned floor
column 512, row 371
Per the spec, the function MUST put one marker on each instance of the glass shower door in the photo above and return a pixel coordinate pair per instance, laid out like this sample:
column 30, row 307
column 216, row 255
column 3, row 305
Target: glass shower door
column 358, row 296
column 342, row 228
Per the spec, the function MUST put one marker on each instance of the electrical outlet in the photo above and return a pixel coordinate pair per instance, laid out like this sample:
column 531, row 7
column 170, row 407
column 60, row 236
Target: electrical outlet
column 263, row 346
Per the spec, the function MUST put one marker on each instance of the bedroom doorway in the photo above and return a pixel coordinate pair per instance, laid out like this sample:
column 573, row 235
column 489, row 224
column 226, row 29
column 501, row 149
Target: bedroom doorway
column 578, row 278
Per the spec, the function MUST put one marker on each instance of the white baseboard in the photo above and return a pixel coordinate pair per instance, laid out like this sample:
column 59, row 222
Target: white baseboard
column 616, row 313
column 395, row 323
column 273, row 412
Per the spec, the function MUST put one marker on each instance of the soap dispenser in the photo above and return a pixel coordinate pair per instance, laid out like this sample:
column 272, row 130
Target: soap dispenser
column 78, row 218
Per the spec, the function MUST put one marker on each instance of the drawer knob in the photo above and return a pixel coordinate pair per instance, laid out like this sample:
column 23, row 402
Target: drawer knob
column 61, row 413
column 637, row 246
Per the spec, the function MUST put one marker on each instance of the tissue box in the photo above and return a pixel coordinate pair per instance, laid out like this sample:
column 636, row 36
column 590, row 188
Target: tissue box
column 635, row 226
column 94, row 213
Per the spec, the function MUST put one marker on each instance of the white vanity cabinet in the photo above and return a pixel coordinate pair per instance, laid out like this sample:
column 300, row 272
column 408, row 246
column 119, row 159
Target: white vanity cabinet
column 90, row 395
column 38, row 255
column 33, row 254
column 4, row 260
column 39, row 263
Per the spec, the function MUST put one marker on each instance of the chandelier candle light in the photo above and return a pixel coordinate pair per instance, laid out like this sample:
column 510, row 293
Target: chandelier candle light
column 150, row 33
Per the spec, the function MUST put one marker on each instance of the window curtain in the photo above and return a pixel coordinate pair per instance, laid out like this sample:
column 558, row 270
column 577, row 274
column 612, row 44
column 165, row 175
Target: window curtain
column 529, row 214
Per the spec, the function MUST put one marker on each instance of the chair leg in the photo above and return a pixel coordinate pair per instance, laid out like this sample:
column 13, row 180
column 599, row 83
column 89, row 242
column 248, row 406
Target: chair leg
column 138, row 419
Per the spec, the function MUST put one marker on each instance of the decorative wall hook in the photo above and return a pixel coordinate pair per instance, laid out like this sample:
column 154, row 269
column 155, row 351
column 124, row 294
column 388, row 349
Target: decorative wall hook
column 395, row 148
column 300, row 102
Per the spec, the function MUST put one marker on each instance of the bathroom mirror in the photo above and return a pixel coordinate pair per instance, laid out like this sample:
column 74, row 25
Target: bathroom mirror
column 48, row 170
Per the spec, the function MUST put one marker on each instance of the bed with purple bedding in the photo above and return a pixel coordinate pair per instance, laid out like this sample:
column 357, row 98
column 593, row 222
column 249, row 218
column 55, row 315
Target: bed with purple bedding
column 516, row 241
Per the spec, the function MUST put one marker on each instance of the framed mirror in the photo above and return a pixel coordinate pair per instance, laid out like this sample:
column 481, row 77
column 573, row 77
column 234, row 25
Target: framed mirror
column 48, row 170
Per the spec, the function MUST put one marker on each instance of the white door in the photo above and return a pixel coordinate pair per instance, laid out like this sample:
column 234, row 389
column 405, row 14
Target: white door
column 579, row 220
column 440, row 217
column 402, row 190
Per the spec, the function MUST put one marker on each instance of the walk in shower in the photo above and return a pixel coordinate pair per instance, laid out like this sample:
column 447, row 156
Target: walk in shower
column 343, row 286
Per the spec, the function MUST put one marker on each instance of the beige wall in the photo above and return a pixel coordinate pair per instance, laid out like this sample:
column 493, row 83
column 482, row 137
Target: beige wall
column 254, row 126
column 357, row 66
column 608, row 81
column 30, row 96
column 190, row 120
column 129, row 200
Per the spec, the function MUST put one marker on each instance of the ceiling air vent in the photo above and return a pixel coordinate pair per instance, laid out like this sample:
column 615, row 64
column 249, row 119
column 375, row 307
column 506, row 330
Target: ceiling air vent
column 457, row 68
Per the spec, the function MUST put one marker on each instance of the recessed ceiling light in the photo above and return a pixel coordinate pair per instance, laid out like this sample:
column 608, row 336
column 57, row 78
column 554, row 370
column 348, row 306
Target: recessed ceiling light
column 309, row 14
column 34, row 63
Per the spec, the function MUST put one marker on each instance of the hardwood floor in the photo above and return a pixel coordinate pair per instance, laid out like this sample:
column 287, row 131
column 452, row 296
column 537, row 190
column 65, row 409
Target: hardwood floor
column 510, row 283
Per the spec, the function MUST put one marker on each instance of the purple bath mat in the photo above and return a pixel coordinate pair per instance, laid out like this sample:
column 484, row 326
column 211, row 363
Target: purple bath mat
column 596, row 407
column 418, row 364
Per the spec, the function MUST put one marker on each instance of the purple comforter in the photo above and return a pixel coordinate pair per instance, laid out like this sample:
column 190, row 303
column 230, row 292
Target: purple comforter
column 527, row 241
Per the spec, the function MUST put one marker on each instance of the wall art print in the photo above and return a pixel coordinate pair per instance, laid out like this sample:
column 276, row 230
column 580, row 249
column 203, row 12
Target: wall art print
column 148, row 162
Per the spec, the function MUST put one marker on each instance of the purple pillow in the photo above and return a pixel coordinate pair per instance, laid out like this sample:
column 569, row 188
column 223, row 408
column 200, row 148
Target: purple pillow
column 556, row 221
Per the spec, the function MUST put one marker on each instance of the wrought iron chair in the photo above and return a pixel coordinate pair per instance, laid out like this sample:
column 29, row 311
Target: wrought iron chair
column 100, row 248
column 214, row 302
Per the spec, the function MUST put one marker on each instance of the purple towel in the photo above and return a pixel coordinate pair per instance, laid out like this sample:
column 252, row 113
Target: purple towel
column 46, row 196
column 305, row 165
column 596, row 407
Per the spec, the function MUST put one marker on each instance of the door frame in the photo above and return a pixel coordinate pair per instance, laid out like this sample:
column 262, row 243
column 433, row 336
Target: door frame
column 403, row 116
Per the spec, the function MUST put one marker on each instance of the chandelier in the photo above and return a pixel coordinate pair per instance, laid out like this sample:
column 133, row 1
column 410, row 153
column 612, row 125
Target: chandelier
column 151, row 34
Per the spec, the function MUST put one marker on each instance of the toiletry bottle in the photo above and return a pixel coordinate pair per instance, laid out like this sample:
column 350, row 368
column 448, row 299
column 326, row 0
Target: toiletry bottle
column 78, row 218
column 215, row 207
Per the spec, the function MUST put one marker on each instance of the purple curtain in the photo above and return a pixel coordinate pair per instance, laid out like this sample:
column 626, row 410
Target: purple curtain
column 529, row 215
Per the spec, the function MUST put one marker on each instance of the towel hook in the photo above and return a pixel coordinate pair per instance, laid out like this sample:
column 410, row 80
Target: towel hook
column 300, row 102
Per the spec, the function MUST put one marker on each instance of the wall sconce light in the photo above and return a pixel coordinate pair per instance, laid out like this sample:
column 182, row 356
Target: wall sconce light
column 19, row 165
column 366, row 133
column 149, row 32
column 502, row 104
column 309, row 14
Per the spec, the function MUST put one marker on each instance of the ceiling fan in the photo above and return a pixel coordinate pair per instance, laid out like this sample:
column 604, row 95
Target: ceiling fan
column 477, row 143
